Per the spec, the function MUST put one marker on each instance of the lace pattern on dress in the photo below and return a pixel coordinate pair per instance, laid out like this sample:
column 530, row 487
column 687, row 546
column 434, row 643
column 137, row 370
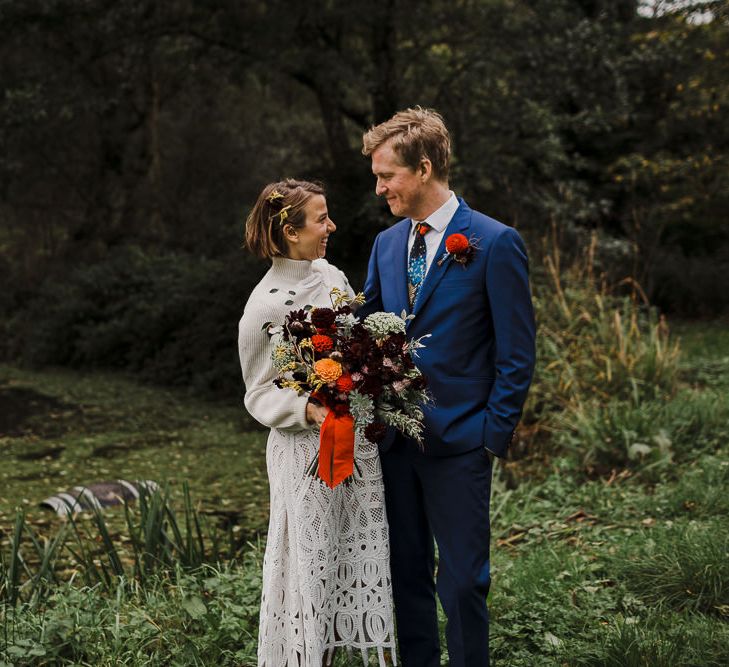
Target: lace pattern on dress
column 326, row 572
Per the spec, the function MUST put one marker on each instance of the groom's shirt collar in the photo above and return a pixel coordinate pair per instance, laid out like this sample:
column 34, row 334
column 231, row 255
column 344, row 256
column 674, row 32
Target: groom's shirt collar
column 438, row 221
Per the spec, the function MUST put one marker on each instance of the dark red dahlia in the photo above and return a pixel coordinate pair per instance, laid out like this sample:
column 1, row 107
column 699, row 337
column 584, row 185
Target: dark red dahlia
column 359, row 332
column 323, row 318
column 419, row 382
column 371, row 385
column 392, row 345
column 297, row 324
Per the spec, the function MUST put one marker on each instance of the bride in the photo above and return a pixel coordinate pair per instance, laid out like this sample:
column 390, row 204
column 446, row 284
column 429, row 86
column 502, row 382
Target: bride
column 326, row 573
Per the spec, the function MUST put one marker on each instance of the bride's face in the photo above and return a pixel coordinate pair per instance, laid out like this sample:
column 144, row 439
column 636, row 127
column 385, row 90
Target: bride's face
column 310, row 242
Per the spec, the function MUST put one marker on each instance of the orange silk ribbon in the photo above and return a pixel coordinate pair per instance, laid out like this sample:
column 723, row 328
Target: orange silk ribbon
column 336, row 449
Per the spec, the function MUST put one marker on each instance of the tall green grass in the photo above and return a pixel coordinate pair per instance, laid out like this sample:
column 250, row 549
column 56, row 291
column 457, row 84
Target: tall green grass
column 160, row 541
column 659, row 639
column 611, row 388
column 638, row 433
column 682, row 567
column 594, row 343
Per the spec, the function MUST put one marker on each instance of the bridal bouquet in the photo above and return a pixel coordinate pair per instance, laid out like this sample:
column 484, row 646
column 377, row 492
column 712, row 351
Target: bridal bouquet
column 363, row 371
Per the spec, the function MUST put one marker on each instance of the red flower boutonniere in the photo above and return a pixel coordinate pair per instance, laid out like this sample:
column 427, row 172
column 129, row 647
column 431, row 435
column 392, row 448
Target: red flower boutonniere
column 458, row 248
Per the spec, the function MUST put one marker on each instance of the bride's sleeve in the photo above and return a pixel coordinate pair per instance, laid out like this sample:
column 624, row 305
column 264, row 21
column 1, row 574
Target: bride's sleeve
column 267, row 404
column 338, row 278
column 347, row 286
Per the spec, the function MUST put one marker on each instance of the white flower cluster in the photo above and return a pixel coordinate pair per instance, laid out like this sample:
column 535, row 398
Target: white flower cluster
column 381, row 325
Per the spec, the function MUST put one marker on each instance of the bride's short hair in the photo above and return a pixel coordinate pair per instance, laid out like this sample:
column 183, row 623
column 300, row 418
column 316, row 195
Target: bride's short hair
column 279, row 204
column 417, row 133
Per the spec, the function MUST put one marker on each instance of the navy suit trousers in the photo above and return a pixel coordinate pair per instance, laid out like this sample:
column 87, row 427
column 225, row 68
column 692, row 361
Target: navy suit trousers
column 446, row 498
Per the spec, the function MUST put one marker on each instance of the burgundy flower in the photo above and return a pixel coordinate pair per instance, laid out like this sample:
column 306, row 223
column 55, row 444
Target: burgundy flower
column 297, row 324
column 323, row 318
column 372, row 385
column 419, row 382
column 359, row 332
column 392, row 345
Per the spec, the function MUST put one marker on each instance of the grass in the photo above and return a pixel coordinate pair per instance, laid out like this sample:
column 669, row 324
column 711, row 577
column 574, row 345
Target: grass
column 101, row 427
column 683, row 566
column 656, row 433
column 657, row 639
column 621, row 565
column 204, row 618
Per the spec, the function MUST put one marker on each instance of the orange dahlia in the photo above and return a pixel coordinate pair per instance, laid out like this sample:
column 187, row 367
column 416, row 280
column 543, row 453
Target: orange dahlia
column 322, row 343
column 456, row 243
column 328, row 370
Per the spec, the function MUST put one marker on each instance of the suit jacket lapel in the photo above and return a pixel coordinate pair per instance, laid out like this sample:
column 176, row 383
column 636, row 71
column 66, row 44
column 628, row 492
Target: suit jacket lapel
column 396, row 259
column 460, row 223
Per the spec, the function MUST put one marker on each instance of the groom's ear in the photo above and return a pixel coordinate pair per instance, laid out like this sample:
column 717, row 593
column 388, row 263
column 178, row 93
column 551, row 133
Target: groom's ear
column 425, row 169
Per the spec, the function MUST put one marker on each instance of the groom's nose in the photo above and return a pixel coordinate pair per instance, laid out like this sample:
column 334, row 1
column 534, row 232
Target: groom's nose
column 380, row 188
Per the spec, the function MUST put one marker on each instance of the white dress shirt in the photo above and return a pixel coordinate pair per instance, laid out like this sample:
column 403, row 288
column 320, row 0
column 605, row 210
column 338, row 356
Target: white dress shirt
column 438, row 221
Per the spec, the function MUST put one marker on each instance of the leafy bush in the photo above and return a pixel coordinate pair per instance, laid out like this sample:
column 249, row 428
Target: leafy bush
column 594, row 347
column 171, row 318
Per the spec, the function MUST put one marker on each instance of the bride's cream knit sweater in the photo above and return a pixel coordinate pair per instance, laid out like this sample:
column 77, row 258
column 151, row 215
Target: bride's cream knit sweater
column 288, row 285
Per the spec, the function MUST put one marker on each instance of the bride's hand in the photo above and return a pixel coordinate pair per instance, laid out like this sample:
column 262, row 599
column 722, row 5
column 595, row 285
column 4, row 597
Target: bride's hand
column 316, row 413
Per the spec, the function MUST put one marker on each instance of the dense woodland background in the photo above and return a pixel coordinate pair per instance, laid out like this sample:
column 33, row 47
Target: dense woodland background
column 136, row 134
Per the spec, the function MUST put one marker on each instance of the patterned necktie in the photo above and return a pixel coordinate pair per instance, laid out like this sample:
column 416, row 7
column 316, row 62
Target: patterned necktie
column 416, row 262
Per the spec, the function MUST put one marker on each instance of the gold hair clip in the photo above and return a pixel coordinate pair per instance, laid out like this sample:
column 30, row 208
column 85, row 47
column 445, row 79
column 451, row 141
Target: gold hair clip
column 283, row 213
column 274, row 196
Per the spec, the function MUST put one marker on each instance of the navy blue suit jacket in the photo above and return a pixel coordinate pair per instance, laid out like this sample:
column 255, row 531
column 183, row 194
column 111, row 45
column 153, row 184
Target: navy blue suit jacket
column 479, row 359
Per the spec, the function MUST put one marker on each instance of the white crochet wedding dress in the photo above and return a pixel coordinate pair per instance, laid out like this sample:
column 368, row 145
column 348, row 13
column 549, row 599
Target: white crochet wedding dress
column 326, row 571
column 326, row 574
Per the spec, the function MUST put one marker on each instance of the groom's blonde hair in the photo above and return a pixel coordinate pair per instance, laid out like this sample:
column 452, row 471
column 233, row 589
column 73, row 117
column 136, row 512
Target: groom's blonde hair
column 416, row 134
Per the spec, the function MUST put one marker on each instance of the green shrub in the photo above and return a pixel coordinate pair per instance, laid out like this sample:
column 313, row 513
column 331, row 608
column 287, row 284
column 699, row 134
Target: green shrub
column 171, row 318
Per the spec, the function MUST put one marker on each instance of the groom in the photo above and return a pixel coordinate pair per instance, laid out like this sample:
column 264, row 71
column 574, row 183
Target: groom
column 476, row 304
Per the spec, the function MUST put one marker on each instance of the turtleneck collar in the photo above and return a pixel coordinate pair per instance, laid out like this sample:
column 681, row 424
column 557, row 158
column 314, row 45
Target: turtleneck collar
column 294, row 270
